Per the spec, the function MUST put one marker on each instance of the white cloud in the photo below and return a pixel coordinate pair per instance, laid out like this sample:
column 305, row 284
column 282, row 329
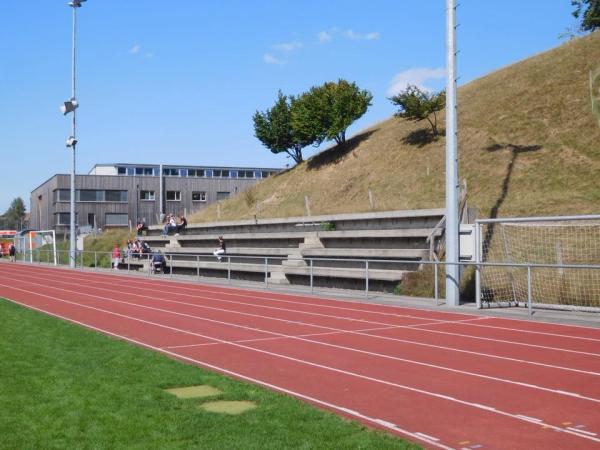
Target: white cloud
column 269, row 58
column 324, row 37
column 135, row 49
column 287, row 46
column 149, row 55
column 417, row 76
column 353, row 35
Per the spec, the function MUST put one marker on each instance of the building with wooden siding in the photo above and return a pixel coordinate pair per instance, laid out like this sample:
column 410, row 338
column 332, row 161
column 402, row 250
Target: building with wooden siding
column 115, row 195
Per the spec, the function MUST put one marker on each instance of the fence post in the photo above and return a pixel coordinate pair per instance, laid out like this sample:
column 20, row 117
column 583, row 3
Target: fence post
column 198, row 266
column 81, row 260
column 311, row 276
column 435, row 283
column 95, row 260
column 367, row 278
column 171, row 267
column 529, row 306
column 128, row 263
column 477, row 265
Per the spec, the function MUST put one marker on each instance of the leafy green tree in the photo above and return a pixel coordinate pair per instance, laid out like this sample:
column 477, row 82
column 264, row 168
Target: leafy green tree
column 325, row 112
column 14, row 214
column 415, row 104
column 273, row 128
column 589, row 13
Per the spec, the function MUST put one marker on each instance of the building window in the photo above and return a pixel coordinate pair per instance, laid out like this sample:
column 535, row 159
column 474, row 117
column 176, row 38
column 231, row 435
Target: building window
column 221, row 173
column 143, row 171
column 116, row 219
column 198, row 196
column 122, row 170
column 116, row 196
column 174, row 196
column 267, row 174
column 171, row 172
column 62, row 195
column 195, row 172
column 245, row 174
column 147, row 195
column 64, row 218
column 89, row 195
column 222, row 195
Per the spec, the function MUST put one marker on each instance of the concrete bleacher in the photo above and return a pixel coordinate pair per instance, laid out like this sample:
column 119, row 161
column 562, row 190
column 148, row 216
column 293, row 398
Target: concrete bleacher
column 333, row 250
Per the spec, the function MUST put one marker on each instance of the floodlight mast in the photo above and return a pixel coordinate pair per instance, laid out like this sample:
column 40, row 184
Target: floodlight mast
column 70, row 107
column 452, row 186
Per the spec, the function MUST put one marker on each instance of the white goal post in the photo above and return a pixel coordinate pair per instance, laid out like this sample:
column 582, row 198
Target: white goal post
column 32, row 241
column 546, row 261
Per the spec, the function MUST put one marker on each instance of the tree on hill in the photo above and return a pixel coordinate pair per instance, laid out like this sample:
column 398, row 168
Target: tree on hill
column 327, row 111
column 415, row 104
column 589, row 12
column 14, row 215
column 273, row 128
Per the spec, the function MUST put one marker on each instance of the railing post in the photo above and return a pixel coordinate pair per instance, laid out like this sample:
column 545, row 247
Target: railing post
column 436, row 288
column 95, row 260
column 311, row 276
column 198, row 266
column 229, row 269
column 81, row 260
column 266, row 271
column 128, row 263
column 529, row 306
column 171, row 267
column 367, row 278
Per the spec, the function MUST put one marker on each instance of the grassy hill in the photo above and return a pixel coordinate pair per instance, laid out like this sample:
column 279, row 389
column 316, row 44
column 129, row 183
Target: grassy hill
column 528, row 145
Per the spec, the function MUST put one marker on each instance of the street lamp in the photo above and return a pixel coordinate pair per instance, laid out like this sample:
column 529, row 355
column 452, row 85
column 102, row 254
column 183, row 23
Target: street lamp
column 69, row 107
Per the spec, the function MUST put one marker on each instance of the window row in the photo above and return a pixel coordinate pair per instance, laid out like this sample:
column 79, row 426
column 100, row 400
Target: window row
column 91, row 195
column 199, row 173
column 110, row 219
column 175, row 196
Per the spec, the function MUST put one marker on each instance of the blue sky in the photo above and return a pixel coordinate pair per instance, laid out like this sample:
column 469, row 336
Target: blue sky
column 178, row 82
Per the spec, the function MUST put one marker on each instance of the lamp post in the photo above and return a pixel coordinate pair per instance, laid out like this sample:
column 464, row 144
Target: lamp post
column 69, row 107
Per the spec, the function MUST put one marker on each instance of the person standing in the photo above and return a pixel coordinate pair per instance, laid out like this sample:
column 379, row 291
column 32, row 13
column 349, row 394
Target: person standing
column 12, row 252
column 116, row 255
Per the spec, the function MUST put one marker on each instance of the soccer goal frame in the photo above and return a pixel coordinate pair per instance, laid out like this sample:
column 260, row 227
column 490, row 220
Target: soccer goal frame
column 552, row 262
column 26, row 243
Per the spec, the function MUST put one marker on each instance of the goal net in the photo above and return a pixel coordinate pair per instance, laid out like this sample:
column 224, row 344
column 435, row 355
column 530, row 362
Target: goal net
column 555, row 245
column 37, row 246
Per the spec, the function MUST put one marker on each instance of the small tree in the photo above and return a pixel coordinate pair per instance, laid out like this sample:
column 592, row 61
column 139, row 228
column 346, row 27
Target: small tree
column 15, row 213
column 418, row 105
column 273, row 128
column 325, row 112
column 589, row 12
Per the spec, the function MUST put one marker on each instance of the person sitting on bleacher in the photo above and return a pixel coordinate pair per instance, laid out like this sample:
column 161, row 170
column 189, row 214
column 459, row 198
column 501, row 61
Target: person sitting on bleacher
column 158, row 263
column 170, row 225
column 141, row 227
column 220, row 250
column 182, row 225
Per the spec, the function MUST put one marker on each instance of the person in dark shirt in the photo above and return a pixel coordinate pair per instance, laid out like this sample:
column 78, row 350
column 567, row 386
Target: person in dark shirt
column 158, row 263
column 182, row 224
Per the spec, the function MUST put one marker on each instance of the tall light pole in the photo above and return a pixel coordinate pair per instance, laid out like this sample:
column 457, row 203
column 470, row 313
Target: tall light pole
column 69, row 107
column 452, row 250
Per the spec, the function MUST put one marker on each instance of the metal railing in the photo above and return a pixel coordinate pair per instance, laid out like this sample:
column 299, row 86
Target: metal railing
column 91, row 260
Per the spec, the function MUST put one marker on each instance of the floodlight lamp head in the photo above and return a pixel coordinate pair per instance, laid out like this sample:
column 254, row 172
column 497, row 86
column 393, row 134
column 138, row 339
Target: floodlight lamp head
column 69, row 106
column 71, row 142
column 76, row 3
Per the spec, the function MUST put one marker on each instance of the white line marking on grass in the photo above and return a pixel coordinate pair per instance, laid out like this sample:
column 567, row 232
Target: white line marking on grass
column 309, row 363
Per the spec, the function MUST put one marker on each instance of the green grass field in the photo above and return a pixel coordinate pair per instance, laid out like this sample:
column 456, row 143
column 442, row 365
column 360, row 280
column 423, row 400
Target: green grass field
column 62, row 386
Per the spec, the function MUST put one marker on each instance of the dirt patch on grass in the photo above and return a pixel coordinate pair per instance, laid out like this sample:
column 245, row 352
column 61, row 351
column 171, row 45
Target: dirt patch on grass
column 228, row 407
column 199, row 391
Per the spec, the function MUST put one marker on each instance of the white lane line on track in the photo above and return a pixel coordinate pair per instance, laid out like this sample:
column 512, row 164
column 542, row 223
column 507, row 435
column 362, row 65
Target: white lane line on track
column 495, row 341
column 241, row 376
column 227, row 290
column 281, row 335
column 317, row 365
column 364, row 352
column 579, row 430
column 275, row 338
column 426, row 436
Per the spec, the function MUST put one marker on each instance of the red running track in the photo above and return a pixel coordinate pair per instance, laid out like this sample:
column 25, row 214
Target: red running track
column 445, row 380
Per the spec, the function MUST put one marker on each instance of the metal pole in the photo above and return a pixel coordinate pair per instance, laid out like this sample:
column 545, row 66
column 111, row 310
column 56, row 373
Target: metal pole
column 95, row 261
column 30, row 249
column 367, row 278
column 266, row 271
column 529, row 290
column 198, row 266
column 229, row 269
column 452, row 270
column 73, row 237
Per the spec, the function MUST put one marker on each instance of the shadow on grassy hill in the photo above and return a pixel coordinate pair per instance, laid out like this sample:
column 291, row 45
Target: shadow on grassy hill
column 335, row 154
column 422, row 137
